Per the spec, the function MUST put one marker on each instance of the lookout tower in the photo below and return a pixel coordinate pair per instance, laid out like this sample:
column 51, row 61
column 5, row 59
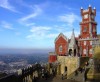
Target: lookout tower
column 88, row 31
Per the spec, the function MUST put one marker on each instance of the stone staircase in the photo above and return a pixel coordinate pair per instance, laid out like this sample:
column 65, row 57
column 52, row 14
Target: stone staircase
column 65, row 75
column 80, row 76
column 59, row 79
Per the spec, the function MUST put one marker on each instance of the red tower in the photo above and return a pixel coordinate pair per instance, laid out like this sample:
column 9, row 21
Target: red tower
column 88, row 32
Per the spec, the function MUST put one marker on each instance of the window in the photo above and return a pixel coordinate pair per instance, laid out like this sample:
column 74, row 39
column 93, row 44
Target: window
column 84, row 42
column 60, row 48
column 85, row 29
column 90, row 42
column 94, row 30
column 84, row 51
column 92, row 16
column 78, row 43
column 85, row 16
column 90, row 51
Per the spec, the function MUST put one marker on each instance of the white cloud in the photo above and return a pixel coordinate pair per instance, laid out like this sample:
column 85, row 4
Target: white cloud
column 53, row 35
column 24, row 20
column 40, row 28
column 61, row 28
column 5, row 4
column 17, row 33
column 30, row 24
column 69, row 18
column 44, row 32
column 6, row 25
column 69, row 33
column 33, row 15
column 38, row 32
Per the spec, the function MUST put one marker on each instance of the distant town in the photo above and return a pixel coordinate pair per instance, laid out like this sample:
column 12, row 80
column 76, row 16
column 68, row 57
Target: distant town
column 10, row 63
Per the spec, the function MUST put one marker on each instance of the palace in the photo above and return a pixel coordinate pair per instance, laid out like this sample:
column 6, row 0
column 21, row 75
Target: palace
column 69, row 53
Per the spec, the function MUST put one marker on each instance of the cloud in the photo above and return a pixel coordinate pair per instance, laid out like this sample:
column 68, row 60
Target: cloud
column 69, row 18
column 53, row 35
column 17, row 33
column 6, row 25
column 44, row 32
column 61, row 28
column 69, row 33
column 39, row 29
column 5, row 4
column 25, row 20
column 30, row 24
column 38, row 32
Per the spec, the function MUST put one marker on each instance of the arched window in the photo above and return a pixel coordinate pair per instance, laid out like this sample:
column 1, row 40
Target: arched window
column 60, row 48
column 90, row 51
column 84, row 51
column 90, row 42
column 84, row 42
column 85, row 29
column 94, row 30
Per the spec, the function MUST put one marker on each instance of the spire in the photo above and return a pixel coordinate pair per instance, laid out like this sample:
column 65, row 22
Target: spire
column 73, row 35
column 73, row 38
column 81, row 7
column 89, row 5
column 73, row 32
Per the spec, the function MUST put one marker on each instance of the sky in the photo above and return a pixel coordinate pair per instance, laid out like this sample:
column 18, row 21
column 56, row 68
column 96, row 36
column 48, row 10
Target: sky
column 34, row 24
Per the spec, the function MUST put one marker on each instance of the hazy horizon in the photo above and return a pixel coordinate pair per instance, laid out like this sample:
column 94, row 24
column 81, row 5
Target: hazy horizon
column 24, row 51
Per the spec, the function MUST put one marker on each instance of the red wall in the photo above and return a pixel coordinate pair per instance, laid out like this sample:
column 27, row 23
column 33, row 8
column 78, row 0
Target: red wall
column 64, row 43
column 52, row 58
column 85, row 47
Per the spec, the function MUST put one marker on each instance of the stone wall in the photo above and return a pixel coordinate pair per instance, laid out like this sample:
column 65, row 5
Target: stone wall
column 72, row 63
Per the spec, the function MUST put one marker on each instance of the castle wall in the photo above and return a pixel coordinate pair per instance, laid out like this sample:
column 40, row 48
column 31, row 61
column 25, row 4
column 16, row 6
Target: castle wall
column 97, row 50
column 72, row 63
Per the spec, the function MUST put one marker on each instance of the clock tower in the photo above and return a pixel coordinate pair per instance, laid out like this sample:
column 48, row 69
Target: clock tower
column 88, row 31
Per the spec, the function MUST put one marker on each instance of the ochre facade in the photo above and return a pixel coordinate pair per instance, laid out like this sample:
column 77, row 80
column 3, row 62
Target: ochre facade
column 68, row 64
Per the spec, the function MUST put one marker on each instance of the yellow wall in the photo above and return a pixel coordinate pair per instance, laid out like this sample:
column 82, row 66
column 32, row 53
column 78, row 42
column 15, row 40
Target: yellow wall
column 97, row 52
column 72, row 64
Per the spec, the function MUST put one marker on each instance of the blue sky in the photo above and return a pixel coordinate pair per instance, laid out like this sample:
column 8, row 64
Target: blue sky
column 36, row 23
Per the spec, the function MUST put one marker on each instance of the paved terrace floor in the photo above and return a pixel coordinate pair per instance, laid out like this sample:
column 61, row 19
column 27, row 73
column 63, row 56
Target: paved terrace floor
column 59, row 79
column 55, row 79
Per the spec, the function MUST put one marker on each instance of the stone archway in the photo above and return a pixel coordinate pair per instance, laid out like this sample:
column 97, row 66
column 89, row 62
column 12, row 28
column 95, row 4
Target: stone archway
column 74, row 52
column 65, row 68
column 70, row 52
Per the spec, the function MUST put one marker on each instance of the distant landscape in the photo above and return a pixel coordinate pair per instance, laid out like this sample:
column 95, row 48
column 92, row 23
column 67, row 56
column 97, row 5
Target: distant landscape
column 31, row 58
column 13, row 59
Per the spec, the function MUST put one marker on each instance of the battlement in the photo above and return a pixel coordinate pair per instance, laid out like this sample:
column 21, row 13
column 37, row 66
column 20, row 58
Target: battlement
column 94, row 38
column 89, row 10
column 52, row 53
